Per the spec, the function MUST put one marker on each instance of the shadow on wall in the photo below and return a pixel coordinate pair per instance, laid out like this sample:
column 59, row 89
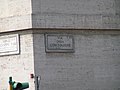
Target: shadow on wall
column 117, row 7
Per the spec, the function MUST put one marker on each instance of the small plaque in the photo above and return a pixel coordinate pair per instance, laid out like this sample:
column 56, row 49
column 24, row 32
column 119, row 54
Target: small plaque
column 9, row 44
column 59, row 43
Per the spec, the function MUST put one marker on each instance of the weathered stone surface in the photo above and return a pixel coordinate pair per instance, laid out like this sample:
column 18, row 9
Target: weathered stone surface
column 18, row 66
column 93, row 66
column 95, row 63
column 15, row 15
column 78, row 14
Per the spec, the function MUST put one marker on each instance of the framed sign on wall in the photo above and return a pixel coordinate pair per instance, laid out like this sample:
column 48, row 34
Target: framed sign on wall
column 59, row 43
column 9, row 44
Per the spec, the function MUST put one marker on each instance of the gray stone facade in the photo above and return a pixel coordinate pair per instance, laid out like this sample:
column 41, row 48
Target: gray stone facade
column 95, row 27
column 77, row 14
column 93, row 66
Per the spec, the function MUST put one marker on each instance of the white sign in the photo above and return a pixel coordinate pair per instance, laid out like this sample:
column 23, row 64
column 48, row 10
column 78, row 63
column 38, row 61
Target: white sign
column 59, row 43
column 9, row 44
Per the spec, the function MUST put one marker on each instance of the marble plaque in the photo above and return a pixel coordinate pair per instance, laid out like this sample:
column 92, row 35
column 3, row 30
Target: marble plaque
column 59, row 43
column 9, row 44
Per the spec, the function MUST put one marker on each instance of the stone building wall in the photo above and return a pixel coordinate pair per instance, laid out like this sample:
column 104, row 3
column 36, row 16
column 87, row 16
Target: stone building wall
column 95, row 26
column 15, row 15
column 93, row 66
column 78, row 14
column 19, row 66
